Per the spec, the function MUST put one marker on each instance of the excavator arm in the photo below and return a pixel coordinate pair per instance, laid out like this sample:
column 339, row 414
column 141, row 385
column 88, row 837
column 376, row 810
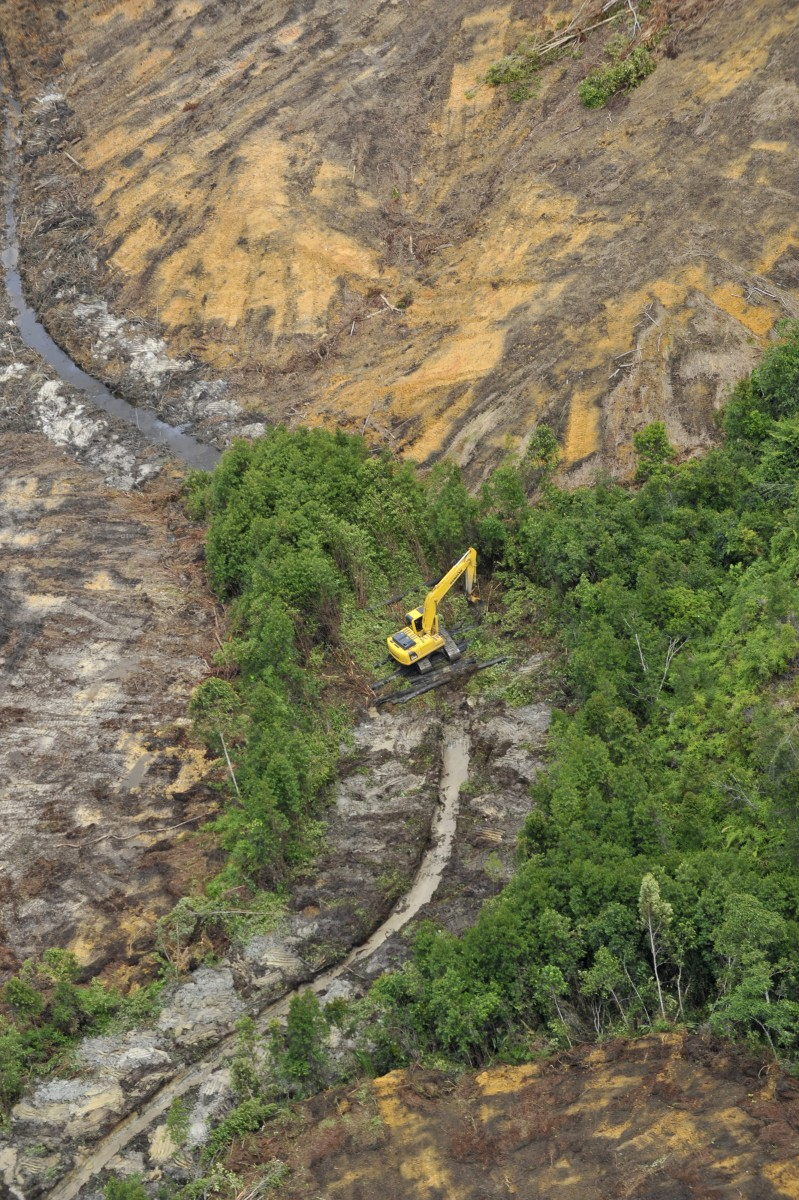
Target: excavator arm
column 467, row 565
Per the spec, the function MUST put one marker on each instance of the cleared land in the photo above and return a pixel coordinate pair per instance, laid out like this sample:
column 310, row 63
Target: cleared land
column 105, row 622
column 262, row 183
column 669, row 1117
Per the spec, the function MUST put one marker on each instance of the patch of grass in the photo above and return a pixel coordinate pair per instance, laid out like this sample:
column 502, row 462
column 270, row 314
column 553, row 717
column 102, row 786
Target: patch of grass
column 248, row 1117
column 392, row 883
column 125, row 1189
column 177, row 1121
column 518, row 72
column 622, row 76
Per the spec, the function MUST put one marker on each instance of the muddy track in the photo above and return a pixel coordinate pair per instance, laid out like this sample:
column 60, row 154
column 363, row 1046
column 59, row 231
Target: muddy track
column 454, row 775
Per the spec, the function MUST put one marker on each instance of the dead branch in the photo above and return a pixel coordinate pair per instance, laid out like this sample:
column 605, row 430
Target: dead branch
column 128, row 837
column 80, row 166
column 229, row 764
column 675, row 646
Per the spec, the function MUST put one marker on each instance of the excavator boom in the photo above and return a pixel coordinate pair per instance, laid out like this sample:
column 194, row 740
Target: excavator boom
column 467, row 565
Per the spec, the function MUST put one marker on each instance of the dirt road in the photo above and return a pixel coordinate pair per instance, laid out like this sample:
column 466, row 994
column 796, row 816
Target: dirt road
column 428, row 877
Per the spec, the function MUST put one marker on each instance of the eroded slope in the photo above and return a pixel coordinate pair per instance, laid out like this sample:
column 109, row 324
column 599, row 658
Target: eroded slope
column 260, row 177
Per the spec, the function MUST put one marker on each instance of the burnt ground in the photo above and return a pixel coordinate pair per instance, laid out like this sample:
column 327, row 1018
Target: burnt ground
column 671, row 1116
column 251, row 180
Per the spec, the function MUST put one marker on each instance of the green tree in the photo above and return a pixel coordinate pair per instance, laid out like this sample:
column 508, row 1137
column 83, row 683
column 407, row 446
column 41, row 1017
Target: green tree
column 306, row 1060
column 653, row 450
column 125, row 1189
column 655, row 916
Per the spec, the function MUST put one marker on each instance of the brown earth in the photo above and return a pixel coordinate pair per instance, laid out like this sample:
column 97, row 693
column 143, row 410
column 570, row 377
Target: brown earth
column 256, row 178
column 106, row 623
column 673, row 1116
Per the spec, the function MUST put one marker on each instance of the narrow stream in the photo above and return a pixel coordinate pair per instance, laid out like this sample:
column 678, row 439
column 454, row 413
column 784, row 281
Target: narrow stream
column 455, row 773
column 34, row 335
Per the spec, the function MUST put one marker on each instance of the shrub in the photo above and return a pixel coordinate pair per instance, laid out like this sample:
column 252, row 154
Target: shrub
column 247, row 1117
column 518, row 72
column 598, row 87
column 125, row 1189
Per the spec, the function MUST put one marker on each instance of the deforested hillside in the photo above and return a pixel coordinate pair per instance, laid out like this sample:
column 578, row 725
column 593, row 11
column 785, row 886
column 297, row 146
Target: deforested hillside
column 331, row 207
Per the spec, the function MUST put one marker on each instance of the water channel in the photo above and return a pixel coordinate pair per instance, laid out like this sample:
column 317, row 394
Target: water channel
column 180, row 445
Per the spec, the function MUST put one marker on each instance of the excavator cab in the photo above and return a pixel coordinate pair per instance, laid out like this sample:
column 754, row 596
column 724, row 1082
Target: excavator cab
column 422, row 636
column 413, row 620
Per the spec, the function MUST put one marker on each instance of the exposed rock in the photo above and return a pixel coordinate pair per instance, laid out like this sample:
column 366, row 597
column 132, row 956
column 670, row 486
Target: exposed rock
column 214, row 1097
column 162, row 1147
column 128, row 1164
column 272, row 965
column 137, row 1060
column 203, row 1008
column 68, row 1109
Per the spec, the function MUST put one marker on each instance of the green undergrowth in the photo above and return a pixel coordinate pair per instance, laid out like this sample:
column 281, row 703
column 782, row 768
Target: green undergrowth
column 309, row 535
column 621, row 76
column 658, row 879
column 519, row 72
column 44, row 1012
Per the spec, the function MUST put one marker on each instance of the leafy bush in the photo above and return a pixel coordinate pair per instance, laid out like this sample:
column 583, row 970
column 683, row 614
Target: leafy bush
column 247, row 1117
column 598, row 87
column 518, row 71
column 308, row 532
column 125, row 1189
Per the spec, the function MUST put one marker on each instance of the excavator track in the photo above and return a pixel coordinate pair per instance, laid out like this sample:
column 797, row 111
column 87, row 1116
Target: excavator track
column 442, row 675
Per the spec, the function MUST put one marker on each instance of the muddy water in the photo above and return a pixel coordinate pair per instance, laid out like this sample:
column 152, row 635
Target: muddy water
column 454, row 775
column 34, row 335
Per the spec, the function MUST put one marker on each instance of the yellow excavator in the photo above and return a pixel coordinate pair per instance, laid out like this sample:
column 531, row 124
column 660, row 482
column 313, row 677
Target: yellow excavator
column 423, row 634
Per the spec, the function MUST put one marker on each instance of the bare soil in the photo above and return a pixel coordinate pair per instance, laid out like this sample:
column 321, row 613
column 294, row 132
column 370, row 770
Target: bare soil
column 260, row 183
column 673, row 1116
column 106, row 625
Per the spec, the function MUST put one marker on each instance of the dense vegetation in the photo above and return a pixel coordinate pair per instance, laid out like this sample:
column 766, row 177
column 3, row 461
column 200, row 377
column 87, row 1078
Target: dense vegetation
column 309, row 534
column 45, row 1012
column 658, row 877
